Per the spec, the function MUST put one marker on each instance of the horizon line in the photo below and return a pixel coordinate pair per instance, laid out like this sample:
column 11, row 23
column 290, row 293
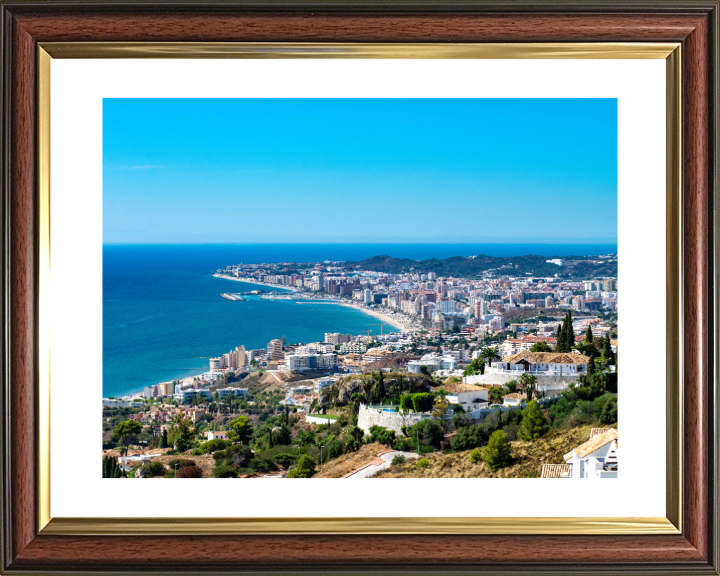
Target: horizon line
column 568, row 242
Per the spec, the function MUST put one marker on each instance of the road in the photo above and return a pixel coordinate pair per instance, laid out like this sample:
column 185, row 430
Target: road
column 380, row 463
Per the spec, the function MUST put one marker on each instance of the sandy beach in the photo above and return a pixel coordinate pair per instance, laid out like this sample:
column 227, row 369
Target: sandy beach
column 256, row 282
column 399, row 321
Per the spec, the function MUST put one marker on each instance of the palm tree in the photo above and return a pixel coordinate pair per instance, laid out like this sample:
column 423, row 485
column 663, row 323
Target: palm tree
column 527, row 384
column 490, row 354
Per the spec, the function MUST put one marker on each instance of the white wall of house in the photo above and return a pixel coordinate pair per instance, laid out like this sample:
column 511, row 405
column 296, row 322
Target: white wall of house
column 591, row 466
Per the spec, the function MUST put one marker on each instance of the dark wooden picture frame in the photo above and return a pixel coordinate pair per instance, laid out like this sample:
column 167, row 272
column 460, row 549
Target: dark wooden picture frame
column 693, row 24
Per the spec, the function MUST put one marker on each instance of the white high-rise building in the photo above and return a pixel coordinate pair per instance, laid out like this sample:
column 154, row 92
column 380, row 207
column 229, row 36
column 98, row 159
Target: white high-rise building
column 367, row 296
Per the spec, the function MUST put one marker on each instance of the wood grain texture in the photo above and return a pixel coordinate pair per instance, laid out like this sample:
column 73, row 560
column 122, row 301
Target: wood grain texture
column 318, row 27
column 395, row 551
column 696, row 286
column 23, row 292
column 691, row 23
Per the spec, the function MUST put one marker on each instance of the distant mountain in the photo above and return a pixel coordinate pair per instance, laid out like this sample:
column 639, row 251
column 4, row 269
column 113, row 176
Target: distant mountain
column 469, row 266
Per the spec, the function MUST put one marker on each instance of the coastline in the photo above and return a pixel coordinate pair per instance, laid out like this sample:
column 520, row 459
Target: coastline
column 255, row 282
column 396, row 321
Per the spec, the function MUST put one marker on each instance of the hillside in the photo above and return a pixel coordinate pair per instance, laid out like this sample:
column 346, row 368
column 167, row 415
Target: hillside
column 529, row 458
column 469, row 266
column 346, row 463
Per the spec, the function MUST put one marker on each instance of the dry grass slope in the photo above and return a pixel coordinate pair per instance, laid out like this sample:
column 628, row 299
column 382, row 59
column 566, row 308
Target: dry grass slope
column 528, row 459
column 348, row 462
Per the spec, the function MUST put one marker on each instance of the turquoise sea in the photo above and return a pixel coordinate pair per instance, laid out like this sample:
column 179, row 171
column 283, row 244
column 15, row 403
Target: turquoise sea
column 163, row 316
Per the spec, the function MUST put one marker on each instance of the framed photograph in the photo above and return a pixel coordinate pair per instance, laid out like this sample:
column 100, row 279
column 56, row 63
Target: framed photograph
column 253, row 251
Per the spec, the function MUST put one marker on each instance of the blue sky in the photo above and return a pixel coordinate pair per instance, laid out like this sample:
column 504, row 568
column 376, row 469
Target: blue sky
column 359, row 170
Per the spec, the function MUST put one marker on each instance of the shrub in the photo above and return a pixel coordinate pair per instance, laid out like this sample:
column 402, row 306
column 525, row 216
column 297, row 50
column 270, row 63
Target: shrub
column 423, row 402
column 304, row 469
column 429, row 431
column 475, row 456
column 224, row 471
column 180, row 463
column 399, row 459
column 469, row 437
column 406, row 402
column 219, row 455
column 497, row 454
column 239, row 455
column 462, row 421
column 189, row 472
column 285, row 459
column 153, row 469
column 534, row 425
column 260, row 465
column 609, row 414
column 334, row 449
column 402, row 445
column 423, row 463
column 382, row 435
column 511, row 430
column 432, row 432
column 213, row 446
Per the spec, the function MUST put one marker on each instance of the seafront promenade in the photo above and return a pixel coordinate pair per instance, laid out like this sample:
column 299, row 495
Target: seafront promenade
column 399, row 321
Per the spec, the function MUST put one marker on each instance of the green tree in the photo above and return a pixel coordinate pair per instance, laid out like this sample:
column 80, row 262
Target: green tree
column 440, row 408
column 560, row 339
column 540, row 347
column 607, row 350
column 490, row 354
column 357, row 433
column 180, row 433
column 224, row 470
column 609, row 411
column 534, row 424
column 591, row 366
column 382, row 435
column 423, row 402
column 498, row 453
column 569, row 333
column 495, row 395
column 240, row 430
column 527, row 384
column 406, row 402
column 164, row 439
column 304, row 469
column 127, row 432
column 477, row 366
column 589, row 335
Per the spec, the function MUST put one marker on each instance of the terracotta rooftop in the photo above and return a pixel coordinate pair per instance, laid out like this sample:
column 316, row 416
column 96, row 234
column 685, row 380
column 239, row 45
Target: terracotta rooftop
column 555, row 470
column 457, row 387
column 595, row 443
column 547, row 358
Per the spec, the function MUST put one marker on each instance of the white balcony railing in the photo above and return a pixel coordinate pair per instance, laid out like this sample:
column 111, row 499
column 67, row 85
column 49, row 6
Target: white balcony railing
column 535, row 372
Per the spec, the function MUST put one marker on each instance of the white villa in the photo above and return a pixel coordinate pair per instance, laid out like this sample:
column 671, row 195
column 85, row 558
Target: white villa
column 433, row 363
column 125, row 462
column 470, row 397
column 596, row 458
column 542, row 363
column 514, row 399
column 217, row 435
